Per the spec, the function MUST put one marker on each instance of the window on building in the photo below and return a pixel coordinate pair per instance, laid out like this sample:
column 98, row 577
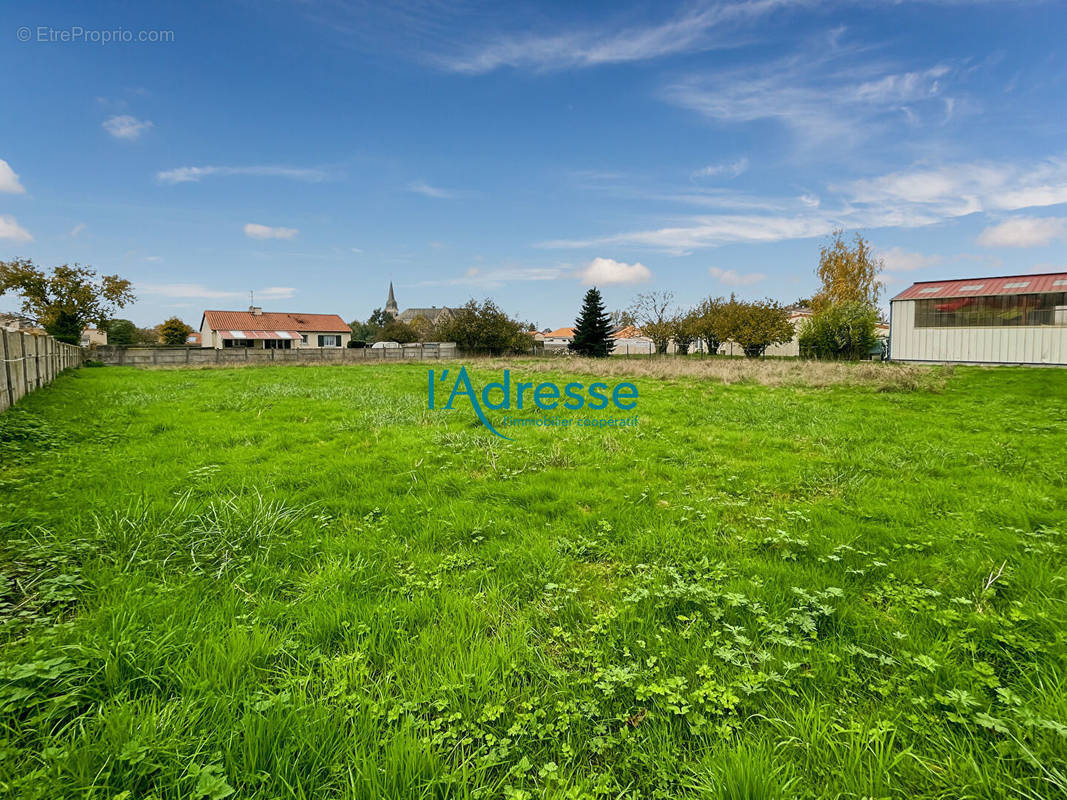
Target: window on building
column 1014, row 310
column 303, row 338
column 329, row 340
column 278, row 344
column 238, row 343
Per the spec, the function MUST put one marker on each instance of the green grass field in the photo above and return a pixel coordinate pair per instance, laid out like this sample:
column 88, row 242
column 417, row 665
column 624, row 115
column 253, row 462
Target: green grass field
column 300, row 582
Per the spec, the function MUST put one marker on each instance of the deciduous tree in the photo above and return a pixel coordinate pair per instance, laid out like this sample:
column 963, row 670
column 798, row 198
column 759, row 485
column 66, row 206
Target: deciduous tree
column 484, row 328
column 654, row 316
column 66, row 300
column 173, row 332
column 397, row 331
column 755, row 326
column 704, row 321
column 684, row 331
column 120, row 332
column 848, row 274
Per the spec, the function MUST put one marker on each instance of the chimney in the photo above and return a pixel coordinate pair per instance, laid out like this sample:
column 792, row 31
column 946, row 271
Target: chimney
column 256, row 311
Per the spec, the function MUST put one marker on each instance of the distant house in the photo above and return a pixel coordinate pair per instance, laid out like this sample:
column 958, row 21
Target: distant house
column 629, row 341
column 16, row 322
column 193, row 338
column 92, row 337
column 272, row 330
column 559, row 338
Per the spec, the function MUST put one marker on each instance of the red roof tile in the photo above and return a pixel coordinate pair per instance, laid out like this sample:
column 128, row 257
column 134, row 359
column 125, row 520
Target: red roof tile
column 561, row 333
column 275, row 321
column 984, row 287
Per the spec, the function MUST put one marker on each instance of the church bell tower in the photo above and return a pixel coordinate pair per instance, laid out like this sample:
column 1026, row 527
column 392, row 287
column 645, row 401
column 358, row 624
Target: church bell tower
column 390, row 304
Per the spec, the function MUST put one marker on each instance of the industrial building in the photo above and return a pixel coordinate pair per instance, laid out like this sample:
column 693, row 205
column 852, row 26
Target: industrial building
column 1015, row 319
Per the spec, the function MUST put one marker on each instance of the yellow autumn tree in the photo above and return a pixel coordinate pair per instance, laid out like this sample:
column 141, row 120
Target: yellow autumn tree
column 849, row 274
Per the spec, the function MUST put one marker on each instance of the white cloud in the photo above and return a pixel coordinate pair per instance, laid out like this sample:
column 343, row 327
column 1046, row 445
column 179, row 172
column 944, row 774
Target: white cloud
column 77, row 229
column 897, row 259
column 608, row 271
column 256, row 231
column 732, row 278
column 9, row 180
column 820, row 96
column 196, row 174
column 126, row 127
column 475, row 276
column 199, row 291
column 355, row 250
column 425, row 189
column 954, row 190
column 730, row 169
column 700, row 27
column 710, row 231
column 905, row 199
column 10, row 229
column 1024, row 232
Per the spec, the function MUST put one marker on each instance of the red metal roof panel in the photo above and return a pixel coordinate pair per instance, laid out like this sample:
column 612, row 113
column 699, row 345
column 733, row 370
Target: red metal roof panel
column 986, row 287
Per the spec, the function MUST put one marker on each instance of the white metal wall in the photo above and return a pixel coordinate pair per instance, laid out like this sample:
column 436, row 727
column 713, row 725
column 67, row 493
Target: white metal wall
column 1037, row 344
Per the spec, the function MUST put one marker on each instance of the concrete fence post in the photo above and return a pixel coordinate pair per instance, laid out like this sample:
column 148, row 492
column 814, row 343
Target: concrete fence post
column 23, row 362
column 9, row 387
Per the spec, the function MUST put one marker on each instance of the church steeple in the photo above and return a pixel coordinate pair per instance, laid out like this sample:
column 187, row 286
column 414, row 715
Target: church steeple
column 390, row 304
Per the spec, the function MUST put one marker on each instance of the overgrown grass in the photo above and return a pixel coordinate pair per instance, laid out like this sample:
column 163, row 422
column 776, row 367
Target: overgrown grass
column 300, row 582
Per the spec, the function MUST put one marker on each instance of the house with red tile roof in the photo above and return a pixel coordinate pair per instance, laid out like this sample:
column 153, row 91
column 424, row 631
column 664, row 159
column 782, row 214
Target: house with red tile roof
column 559, row 338
column 279, row 330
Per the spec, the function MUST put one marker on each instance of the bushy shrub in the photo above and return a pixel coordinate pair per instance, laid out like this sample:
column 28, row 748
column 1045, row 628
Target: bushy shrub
column 841, row 331
column 484, row 329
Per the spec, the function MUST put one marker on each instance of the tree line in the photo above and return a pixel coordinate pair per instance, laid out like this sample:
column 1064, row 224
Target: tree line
column 843, row 323
column 474, row 327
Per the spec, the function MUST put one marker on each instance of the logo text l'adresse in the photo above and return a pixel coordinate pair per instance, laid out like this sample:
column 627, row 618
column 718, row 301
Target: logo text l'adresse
column 546, row 396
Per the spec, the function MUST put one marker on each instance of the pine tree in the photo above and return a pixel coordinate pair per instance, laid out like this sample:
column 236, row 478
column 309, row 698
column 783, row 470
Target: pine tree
column 592, row 331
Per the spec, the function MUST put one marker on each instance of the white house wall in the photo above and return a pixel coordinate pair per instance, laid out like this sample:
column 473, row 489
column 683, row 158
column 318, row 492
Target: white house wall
column 1037, row 344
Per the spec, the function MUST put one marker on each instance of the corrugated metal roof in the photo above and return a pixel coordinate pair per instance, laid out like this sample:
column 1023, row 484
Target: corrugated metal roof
column 985, row 287
column 275, row 321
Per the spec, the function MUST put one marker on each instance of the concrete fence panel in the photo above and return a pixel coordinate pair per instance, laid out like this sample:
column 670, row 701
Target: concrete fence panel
column 30, row 362
column 241, row 356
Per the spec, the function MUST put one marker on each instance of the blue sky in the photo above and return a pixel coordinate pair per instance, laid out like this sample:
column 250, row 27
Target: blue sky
column 314, row 150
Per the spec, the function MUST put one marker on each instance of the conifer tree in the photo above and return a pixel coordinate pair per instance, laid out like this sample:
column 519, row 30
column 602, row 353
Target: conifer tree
column 592, row 331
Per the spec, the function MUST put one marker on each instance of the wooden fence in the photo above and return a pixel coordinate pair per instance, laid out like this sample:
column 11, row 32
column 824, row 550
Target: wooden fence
column 30, row 362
